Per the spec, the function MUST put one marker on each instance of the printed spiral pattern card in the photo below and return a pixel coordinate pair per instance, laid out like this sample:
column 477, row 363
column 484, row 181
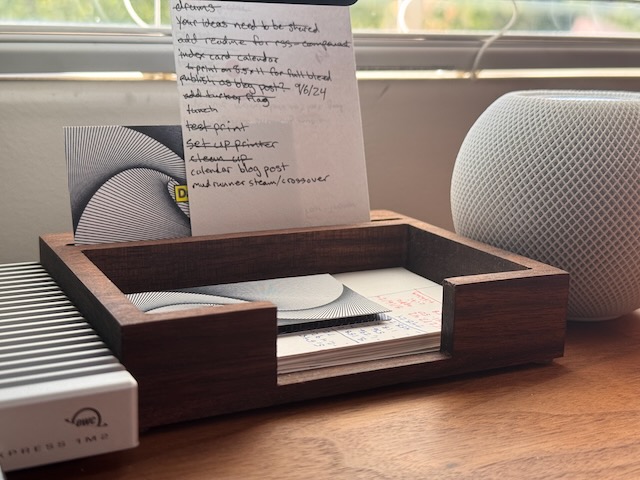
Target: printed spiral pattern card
column 304, row 302
column 126, row 183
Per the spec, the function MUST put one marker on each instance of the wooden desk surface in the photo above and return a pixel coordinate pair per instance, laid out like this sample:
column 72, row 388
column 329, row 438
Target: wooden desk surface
column 578, row 417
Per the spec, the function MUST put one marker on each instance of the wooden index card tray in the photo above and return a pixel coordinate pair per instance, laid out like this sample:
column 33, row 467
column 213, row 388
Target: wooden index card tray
column 499, row 309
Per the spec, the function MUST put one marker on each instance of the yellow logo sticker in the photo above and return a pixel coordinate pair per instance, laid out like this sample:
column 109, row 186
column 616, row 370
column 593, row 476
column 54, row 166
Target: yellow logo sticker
column 181, row 193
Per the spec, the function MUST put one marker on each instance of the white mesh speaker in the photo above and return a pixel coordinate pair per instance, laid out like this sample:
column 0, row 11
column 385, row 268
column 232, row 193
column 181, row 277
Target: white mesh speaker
column 554, row 175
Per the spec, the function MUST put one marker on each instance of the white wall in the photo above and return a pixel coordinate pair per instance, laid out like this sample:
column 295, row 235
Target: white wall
column 412, row 132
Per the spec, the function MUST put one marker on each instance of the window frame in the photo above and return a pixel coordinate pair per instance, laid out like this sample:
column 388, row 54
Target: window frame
column 53, row 51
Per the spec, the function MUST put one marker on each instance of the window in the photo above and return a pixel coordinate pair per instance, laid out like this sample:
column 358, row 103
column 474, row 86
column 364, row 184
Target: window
column 563, row 17
column 556, row 17
column 134, row 35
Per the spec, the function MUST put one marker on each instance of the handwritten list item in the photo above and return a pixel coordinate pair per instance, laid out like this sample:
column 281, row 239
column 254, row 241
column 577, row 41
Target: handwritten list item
column 270, row 115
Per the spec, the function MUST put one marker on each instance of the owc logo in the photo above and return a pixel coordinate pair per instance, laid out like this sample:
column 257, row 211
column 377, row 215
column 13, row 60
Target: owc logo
column 87, row 417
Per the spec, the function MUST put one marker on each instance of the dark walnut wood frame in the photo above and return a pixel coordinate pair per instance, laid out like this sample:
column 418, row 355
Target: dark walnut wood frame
column 499, row 309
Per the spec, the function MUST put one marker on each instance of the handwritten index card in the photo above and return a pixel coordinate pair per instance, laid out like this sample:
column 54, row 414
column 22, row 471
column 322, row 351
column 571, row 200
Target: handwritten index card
column 270, row 115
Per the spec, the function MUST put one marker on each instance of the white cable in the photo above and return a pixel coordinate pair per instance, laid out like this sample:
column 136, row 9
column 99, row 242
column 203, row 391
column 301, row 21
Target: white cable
column 402, row 11
column 157, row 16
column 488, row 41
column 133, row 14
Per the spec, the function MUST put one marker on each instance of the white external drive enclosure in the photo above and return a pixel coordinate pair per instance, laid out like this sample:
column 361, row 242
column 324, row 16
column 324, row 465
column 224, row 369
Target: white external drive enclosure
column 63, row 395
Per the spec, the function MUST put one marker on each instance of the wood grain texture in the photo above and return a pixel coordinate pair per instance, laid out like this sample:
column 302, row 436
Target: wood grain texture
column 577, row 418
column 499, row 309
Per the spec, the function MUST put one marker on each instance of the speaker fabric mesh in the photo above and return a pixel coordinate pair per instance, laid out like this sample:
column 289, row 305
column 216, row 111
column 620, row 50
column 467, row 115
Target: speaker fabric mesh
column 555, row 175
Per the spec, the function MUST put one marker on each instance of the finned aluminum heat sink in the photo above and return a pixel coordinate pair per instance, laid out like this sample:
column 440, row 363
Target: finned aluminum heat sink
column 63, row 395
